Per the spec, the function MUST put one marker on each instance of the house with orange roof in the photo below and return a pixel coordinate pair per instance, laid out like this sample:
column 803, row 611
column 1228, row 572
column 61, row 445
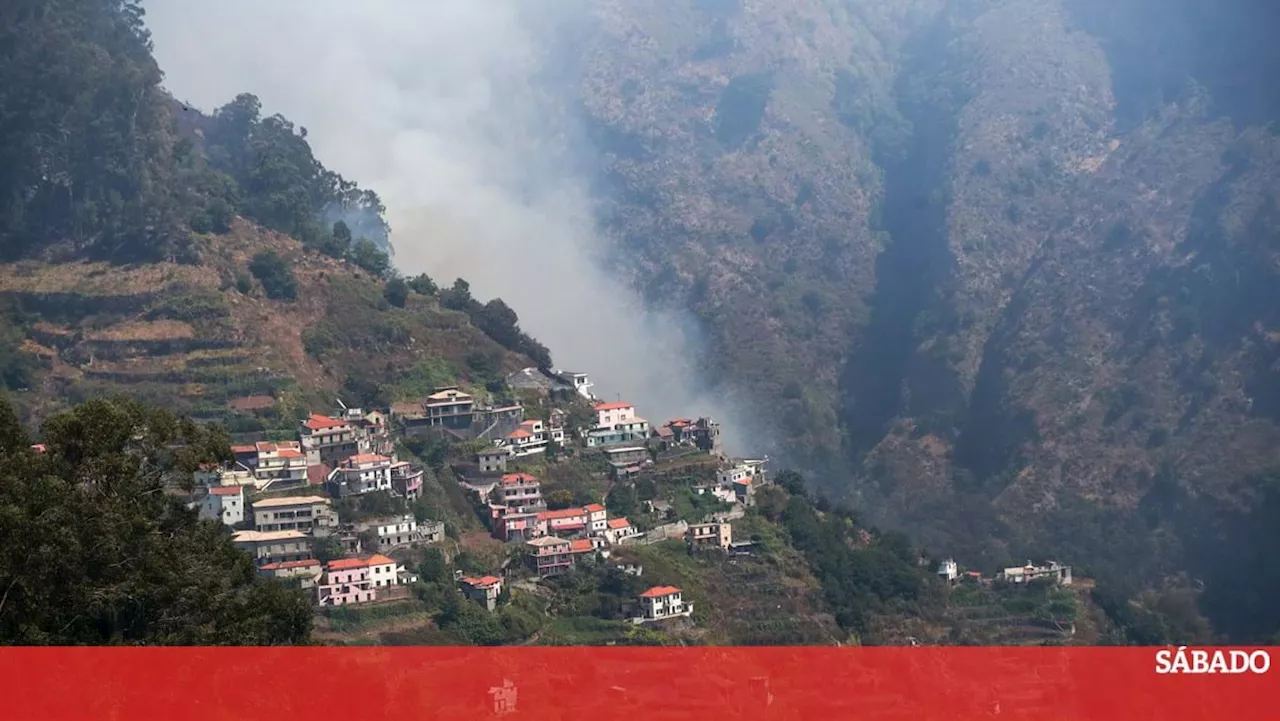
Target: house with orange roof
column 329, row 440
column 564, row 522
column 609, row 414
column 703, row 433
column 514, row 525
column 743, row 478
column 359, row 580
column 307, row 572
column 583, row 546
column 530, row 437
column 616, row 423
column 520, row 491
column 278, row 466
column 618, row 531
column 484, row 590
column 662, row 602
column 223, row 503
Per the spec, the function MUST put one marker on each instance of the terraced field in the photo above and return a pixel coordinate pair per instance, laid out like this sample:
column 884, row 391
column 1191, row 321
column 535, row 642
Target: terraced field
column 194, row 338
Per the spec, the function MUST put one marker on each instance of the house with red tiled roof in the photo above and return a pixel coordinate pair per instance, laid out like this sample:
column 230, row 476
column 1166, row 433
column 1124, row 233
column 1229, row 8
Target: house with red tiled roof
column 662, row 602
column 530, row 437
column 359, row 580
column 582, row 546
column 607, row 414
column 307, row 572
column 484, row 590
column 278, row 466
column 521, row 492
column 619, row 530
column 225, row 504
column 329, row 440
column 564, row 522
column 616, row 423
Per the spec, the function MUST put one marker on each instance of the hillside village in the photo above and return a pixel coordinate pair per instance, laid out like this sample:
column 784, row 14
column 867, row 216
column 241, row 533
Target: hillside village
column 339, row 511
column 282, row 497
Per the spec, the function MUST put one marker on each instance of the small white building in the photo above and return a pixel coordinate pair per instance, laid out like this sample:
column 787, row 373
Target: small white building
column 1030, row 572
column 361, row 473
column 619, row 530
column 597, row 519
column 579, row 381
column 948, row 569
column 224, row 503
column 662, row 602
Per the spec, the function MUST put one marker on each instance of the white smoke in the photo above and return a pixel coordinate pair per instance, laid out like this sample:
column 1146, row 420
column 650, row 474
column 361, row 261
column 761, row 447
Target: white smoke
column 432, row 103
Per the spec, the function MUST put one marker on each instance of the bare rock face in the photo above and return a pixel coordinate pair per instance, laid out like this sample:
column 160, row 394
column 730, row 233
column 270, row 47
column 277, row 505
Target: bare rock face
column 988, row 267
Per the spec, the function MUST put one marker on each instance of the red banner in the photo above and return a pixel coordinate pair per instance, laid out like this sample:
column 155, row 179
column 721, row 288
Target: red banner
column 708, row 684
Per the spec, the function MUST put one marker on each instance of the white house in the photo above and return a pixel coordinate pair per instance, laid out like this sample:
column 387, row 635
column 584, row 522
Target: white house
column 1025, row 574
column 579, row 381
column 609, row 415
column 361, row 473
column 618, row 530
column 597, row 519
column 662, row 602
column 224, row 503
column 948, row 569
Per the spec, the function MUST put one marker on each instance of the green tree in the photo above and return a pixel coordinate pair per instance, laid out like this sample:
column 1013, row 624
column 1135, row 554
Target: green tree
column 342, row 235
column 93, row 551
column 458, row 296
column 275, row 275
column 367, row 256
column 558, row 499
column 423, row 285
column 622, row 500
column 396, row 292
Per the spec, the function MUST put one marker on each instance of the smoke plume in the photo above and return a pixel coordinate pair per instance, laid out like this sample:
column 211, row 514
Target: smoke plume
column 445, row 109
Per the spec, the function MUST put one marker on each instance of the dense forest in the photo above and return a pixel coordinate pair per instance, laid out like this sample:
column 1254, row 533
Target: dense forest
column 99, row 161
column 95, row 550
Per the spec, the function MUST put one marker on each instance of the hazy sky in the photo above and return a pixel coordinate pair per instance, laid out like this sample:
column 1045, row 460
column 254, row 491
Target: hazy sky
column 430, row 103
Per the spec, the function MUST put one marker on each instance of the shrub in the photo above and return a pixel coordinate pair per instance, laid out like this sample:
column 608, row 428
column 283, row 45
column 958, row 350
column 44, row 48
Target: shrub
column 275, row 274
column 396, row 292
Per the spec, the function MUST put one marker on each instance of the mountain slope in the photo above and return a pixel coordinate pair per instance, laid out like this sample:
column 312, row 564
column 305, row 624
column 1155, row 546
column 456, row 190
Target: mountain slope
column 988, row 267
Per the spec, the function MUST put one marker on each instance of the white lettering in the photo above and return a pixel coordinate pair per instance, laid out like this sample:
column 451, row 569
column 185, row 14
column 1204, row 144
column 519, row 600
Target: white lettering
column 1239, row 661
column 1199, row 661
column 1185, row 660
column 1260, row 661
column 1218, row 664
column 1180, row 662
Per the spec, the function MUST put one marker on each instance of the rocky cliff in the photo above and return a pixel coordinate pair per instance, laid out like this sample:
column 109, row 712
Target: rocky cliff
column 1004, row 271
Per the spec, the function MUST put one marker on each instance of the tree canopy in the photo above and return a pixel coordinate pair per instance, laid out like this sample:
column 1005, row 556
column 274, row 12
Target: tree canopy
column 94, row 158
column 94, row 549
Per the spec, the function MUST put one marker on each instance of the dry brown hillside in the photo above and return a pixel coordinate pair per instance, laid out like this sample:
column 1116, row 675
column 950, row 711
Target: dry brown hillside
column 193, row 337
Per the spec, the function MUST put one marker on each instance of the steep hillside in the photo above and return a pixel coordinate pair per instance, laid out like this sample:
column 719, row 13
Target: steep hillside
column 194, row 337
column 1002, row 271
